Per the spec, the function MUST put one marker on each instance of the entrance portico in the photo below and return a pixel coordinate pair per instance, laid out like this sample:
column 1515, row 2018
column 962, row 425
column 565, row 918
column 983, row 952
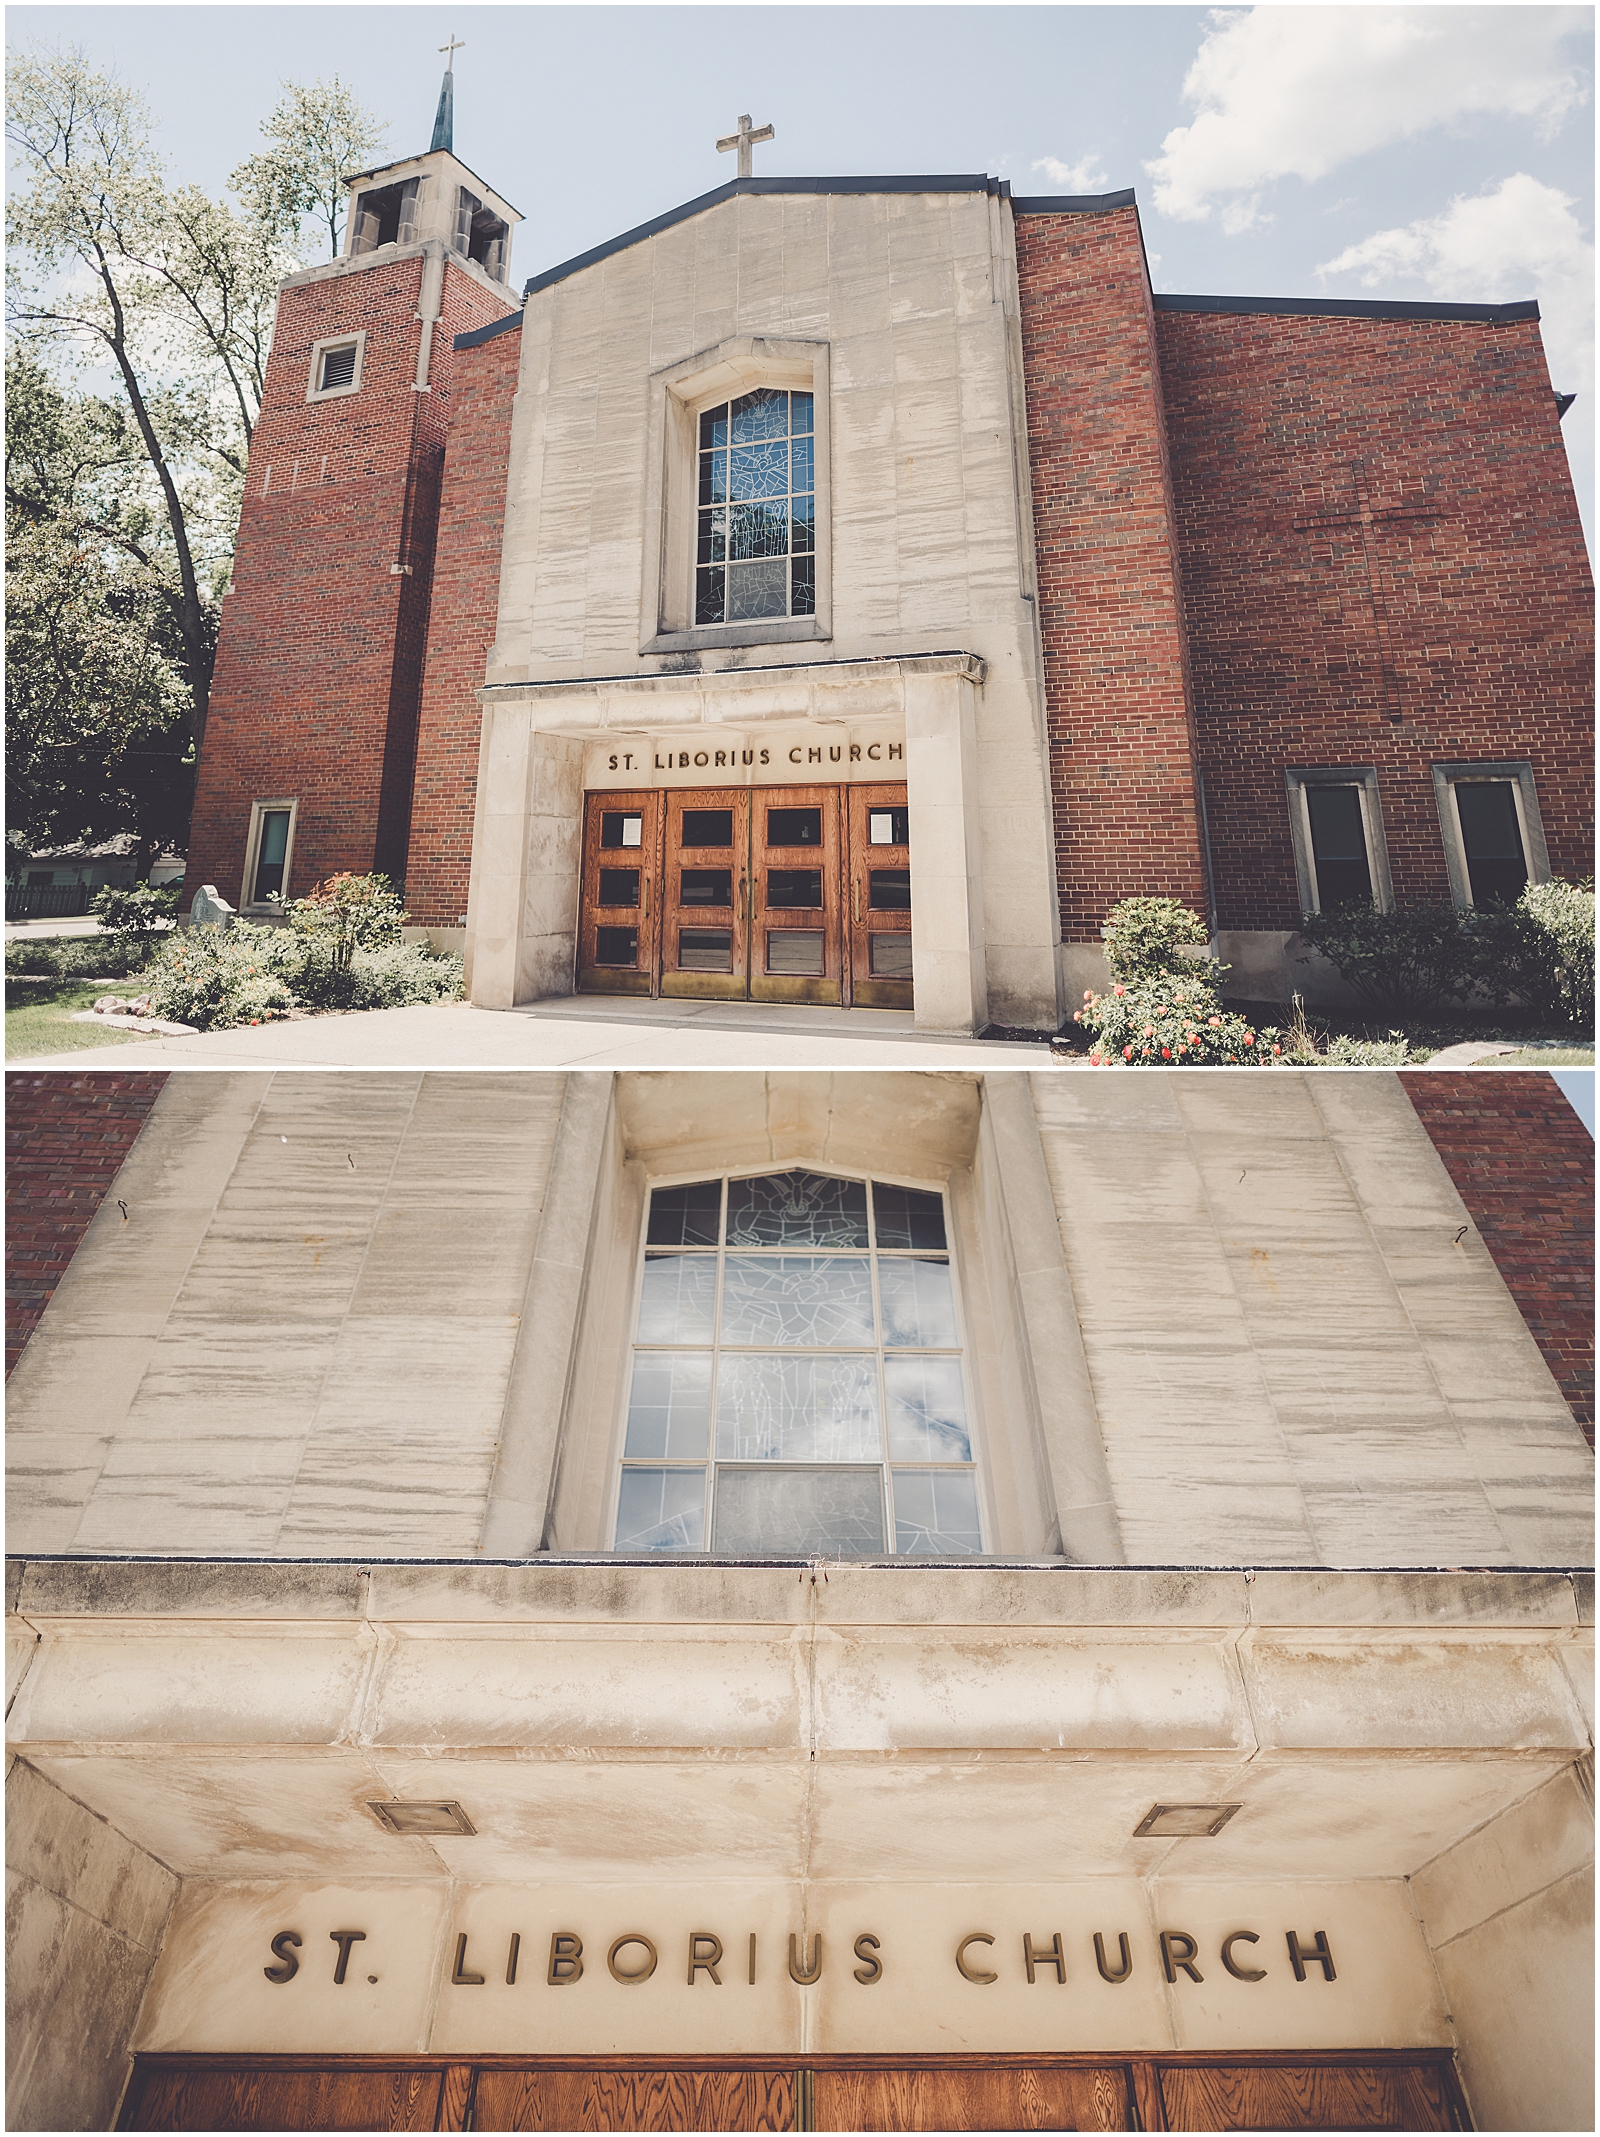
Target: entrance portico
column 854, row 723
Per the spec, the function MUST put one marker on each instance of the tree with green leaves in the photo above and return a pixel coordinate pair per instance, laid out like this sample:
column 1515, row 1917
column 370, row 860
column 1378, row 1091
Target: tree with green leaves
column 133, row 494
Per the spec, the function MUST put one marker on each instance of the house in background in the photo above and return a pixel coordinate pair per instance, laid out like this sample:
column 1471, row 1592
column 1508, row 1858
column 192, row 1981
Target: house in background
column 62, row 881
column 785, row 1601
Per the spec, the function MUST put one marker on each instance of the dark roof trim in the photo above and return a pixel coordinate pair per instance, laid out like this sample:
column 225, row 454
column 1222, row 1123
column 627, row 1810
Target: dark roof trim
column 487, row 333
column 1351, row 308
column 963, row 183
column 1072, row 203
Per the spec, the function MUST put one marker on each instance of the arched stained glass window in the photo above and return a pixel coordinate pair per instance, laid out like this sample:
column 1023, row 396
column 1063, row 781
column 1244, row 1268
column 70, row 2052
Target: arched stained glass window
column 798, row 1384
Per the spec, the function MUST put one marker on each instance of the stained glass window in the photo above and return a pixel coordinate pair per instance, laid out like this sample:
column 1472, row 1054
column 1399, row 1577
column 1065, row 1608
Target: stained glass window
column 797, row 1382
column 755, row 546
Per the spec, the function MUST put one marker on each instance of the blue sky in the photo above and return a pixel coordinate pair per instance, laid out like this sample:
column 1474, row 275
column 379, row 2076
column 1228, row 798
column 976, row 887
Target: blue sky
column 1401, row 152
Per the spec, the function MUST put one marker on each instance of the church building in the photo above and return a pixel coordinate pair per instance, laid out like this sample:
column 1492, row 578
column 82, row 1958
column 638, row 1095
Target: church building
column 736, row 1601
column 844, row 590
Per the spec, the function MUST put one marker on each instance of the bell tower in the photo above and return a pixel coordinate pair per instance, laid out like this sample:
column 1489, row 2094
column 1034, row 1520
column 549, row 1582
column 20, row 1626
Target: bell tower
column 307, row 764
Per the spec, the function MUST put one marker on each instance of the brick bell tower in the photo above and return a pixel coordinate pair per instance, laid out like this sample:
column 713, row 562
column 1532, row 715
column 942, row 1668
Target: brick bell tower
column 306, row 767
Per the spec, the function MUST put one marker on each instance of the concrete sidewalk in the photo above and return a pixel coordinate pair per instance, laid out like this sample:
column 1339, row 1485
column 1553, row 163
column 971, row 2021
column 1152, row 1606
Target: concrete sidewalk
column 582, row 1032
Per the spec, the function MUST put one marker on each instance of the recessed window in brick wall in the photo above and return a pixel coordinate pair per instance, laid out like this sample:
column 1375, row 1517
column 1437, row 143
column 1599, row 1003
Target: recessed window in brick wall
column 269, row 852
column 1493, row 839
column 1337, row 827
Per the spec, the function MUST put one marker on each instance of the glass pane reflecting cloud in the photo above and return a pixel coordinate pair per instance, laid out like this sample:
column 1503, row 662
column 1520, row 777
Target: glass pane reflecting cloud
column 808, row 1299
column 662, row 1510
column 919, row 1309
column 792, row 1513
column 669, row 1405
column 936, row 1516
column 677, row 1300
column 798, row 1409
column 927, row 1410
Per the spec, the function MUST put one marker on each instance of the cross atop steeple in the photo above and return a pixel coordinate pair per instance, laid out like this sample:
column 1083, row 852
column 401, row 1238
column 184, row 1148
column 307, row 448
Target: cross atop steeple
column 444, row 124
column 744, row 141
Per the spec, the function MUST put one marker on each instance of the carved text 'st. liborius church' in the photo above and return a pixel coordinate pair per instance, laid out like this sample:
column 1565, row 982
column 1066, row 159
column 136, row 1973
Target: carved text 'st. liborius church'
column 846, row 589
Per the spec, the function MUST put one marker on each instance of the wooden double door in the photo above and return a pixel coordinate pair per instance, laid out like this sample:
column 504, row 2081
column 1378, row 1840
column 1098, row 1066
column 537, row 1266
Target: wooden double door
column 1377, row 2090
column 761, row 894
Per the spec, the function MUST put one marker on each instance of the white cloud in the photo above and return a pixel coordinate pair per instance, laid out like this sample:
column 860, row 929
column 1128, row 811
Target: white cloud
column 1297, row 91
column 1084, row 177
column 1521, row 239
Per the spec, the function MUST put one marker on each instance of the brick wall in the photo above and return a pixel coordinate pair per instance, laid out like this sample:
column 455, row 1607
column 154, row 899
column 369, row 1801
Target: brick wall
column 1523, row 1163
column 1325, row 630
column 319, row 661
column 1122, row 746
column 465, row 611
column 66, row 1136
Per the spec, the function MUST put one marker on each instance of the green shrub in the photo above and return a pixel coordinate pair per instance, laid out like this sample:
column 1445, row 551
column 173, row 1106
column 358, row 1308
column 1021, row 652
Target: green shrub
column 138, row 910
column 346, row 913
column 81, row 956
column 217, row 978
column 1174, row 1020
column 1540, row 952
column 404, row 972
column 1400, row 962
column 1345, row 1052
column 1144, row 937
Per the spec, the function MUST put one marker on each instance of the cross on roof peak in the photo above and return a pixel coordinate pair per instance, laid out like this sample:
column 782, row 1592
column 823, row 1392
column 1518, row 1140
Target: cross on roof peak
column 744, row 141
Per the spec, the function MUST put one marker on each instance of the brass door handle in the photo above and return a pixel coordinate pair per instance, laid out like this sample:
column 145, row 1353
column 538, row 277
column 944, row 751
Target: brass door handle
column 858, row 900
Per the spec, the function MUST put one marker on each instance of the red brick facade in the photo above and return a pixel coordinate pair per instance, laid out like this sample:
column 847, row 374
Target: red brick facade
column 466, row 598
column 66, row 1136
column 1382, row 566
column 1122, row 741
column 1523, row 1163
column 324, row 629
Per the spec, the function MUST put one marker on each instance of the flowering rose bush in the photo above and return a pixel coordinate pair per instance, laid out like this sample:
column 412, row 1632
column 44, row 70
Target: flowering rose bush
column 1173, row 1022
column 217, row 978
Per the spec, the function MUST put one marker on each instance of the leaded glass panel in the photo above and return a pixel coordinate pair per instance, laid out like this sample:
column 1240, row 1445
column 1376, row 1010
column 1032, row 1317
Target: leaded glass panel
column 797, row 1209
column 797, row 1369
column 793, row 1513
column 755, row 531
column 776, row 1409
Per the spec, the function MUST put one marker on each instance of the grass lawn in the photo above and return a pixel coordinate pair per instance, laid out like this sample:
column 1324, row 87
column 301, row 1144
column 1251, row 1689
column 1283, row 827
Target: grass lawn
column 38, row 1010
column 1545, row 1057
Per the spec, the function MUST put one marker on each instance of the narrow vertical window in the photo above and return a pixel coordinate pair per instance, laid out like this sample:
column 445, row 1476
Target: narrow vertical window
column 271, row 854
column 798, row 1380
column 756, row 531
column 1338, row 846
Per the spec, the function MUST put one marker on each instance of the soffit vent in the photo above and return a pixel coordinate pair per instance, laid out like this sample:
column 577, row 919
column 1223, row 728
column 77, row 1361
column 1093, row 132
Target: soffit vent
column 1183, row 1821
column 429, row 1818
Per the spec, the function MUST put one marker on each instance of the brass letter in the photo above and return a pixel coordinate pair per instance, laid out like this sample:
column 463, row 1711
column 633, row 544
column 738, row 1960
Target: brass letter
column 873, row 1970
column 1100, row 1956
column 872, row 750
column 1319, row 1955
column 707, row 1959
column 855, row 753
column 344, row 1938
column 1051, row 1956
column 807, row 1973
column 644, row 1972
column 752, row 1955
column 979, row 1936
column 1172, row 1959
column 459, row 1977
column 1241, row 1973
column 291, row 1965
column 794, row 756
column 511, row 1960
column 566, row 1958
column 834, row 753
column 612, row 763
column 896, row 749
column 766, row 756
column 813, row 756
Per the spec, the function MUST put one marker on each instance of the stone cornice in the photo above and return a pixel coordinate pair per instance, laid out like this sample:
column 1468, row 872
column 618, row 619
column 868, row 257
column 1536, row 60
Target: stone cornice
column 958, row 666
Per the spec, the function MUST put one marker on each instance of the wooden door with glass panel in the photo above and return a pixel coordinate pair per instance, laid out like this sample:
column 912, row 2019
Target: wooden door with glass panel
column 705, row 895
column 796, row 917
column 878, row 893
column 619, row 908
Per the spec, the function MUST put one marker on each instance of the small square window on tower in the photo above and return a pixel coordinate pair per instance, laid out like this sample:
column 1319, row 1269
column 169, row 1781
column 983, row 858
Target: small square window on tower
column 336, row 366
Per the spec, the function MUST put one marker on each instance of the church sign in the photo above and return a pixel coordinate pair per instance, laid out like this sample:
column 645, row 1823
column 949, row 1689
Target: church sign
column 740, row 1968
column 794, row 753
